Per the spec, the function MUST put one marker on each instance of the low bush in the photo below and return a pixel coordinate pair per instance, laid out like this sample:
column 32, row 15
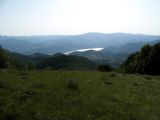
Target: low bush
column 104, row 68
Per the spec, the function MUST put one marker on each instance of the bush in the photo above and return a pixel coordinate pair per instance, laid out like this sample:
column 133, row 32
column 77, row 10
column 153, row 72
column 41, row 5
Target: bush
column 30, row 66
column 72, row 85
column 104, row 68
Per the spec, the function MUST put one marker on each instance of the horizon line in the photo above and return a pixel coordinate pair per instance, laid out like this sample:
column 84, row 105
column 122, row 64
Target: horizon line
column 32, row 35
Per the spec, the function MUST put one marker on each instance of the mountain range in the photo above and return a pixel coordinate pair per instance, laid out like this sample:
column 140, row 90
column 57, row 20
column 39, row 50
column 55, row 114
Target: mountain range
column 116, row 47
column 63, row 43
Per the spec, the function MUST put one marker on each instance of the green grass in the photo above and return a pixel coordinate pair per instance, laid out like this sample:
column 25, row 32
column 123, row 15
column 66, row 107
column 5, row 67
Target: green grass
column 62, row 95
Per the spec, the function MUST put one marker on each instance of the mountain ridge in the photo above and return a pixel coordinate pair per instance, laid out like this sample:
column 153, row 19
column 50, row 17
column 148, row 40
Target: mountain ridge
column 61, row 43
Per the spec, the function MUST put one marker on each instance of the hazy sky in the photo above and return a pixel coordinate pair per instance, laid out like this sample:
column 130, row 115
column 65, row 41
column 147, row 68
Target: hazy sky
column 35, row 17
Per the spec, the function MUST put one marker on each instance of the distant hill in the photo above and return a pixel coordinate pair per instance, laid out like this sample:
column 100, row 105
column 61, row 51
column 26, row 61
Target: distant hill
column 127, row 48
column 67, row 62
column 41, row 61
column 114, row 56
column 25, row 59
column 113, row 59
column 63, row 43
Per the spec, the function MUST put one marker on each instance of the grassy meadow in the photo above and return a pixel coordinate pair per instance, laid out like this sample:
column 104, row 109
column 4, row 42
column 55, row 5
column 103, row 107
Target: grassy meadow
column 76, row 95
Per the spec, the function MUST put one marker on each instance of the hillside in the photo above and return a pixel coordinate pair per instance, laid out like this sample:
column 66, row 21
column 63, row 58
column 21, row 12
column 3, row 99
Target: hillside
column 144, row 62
column 113, row 59
column 62, row 95
column 41, row 61
column 67, row 62
column 6, row 61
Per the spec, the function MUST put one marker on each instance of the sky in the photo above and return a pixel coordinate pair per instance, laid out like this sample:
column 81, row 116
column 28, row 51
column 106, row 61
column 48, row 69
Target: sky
column 54, row 17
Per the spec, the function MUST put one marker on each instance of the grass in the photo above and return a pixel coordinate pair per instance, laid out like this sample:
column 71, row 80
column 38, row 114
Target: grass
column 71, row 95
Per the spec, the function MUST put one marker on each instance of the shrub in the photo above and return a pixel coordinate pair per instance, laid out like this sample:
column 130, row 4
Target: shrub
column 72, row 85
column 113, row 75
column 104, row 68
column 107, row 82
column 26, row 94
column 30, row 66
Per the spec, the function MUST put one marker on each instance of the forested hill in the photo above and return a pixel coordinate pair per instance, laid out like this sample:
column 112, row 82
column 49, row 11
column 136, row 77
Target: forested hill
column 6, row 61
column 67, row 62
column 147, row 61
column 40, row 61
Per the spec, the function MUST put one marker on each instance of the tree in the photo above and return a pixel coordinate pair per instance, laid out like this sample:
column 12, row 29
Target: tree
column 144, row 62
column 4, row 62
column 30, row 66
